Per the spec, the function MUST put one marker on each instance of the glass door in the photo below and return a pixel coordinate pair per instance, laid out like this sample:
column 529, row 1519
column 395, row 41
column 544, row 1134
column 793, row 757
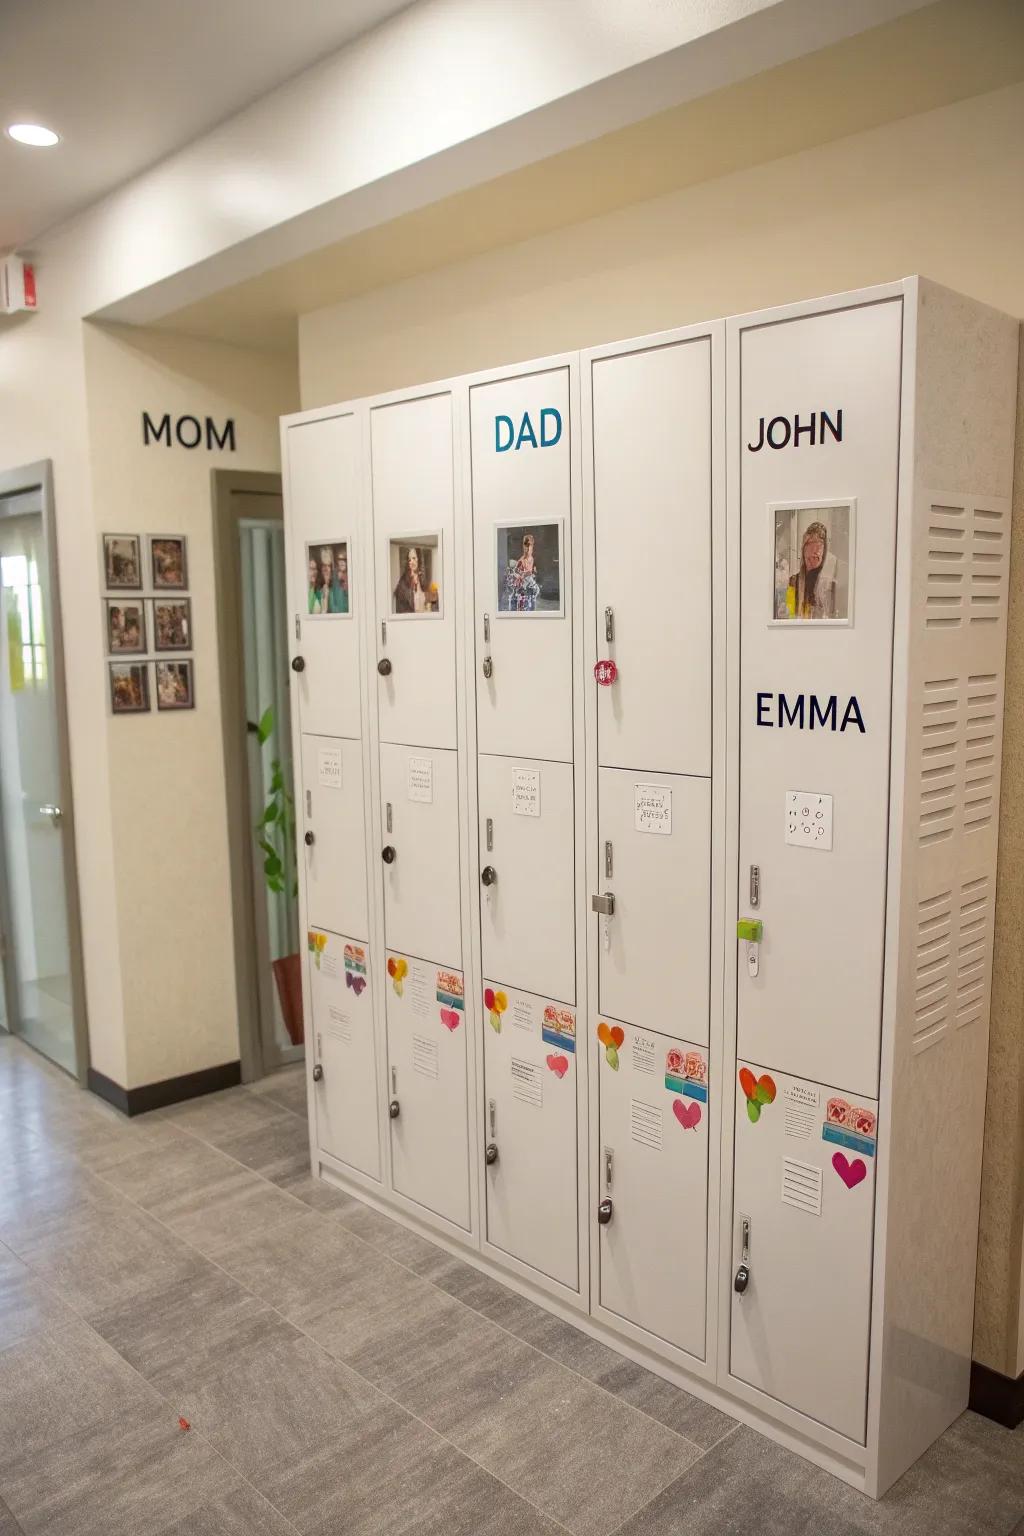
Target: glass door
column 33, row 825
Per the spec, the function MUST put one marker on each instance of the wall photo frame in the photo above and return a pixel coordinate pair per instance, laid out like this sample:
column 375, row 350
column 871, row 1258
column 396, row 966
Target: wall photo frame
column 122, row 562
column 175, row 685
column 129, row 687
column 125, row 626
column 168, row 562
column 172, row 623
column 328, row 584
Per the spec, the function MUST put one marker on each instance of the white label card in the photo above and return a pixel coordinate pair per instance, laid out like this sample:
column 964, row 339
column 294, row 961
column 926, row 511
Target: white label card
column 526, row 791
column 424, row 1056
column 801, row 1111
column 329, row 964
column 419, row 990
column 527, row 1083
column 420, row 781
column 645, row 1124
column 328, row 766
column 645, row 1057
column 340, row 1026
column 522, row 1013
column 652, row 808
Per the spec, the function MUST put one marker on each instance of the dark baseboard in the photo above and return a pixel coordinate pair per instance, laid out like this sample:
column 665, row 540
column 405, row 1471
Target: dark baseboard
column 997, row 1397
column 174, row 1090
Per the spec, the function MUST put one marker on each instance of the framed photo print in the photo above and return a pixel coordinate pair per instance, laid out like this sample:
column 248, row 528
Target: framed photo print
column 126, row 626
column 129, row 688
column 174, row 688
column 172, row 623
column 122, row 561
column 812, row 554
column 528, row 570
column 169, row 562
column 415, row 575
column 327, row 581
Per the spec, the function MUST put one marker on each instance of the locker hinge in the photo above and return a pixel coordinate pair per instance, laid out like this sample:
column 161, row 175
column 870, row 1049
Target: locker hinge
column 608, row 860
column 608, row 1156
column 609, row 625
column 298, row 627
column 490, row 834
column 309, row 802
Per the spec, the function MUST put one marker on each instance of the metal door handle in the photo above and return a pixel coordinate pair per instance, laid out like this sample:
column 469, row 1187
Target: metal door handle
column 487, row 667
column 394, row 1109
column 488, row 874
column 491, row 1154
column 388, row 854
column 318, row 1073
column 742, row 1279
column 53, row 811
column 604, row 1213
column 309, row 839
column 298, row 664
column 384, row 666
column 603, row 904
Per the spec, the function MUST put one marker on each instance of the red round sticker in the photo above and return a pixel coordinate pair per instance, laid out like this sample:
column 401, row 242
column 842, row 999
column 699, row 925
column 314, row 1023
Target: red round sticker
column 605, row 673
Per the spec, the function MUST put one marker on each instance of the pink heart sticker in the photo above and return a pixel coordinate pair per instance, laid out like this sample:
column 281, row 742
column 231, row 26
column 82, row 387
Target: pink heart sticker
column 559, row 1065
column 451, row 1018
column 687, row 1113
column 851, row 1173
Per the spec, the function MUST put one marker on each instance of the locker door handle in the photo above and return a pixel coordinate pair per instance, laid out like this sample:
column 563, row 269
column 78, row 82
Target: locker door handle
column 742, row 1279
column 384, row 666
column 309, row 839
column 394, row 1109
column 604, row 1213
column 491, row 1154
column 298, row 664
column 488, row 874
column 318, row 1073
column 487, row 667
column 388, row 854
column 603, row 904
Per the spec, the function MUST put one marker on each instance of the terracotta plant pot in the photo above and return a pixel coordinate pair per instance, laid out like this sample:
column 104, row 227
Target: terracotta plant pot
column 288, row 978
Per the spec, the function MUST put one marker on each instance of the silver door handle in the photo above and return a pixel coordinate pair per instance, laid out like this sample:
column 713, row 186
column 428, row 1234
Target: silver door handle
column 53, row 811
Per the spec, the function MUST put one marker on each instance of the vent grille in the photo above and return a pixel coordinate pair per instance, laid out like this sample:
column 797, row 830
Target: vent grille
column 932, row 969
column 940, row 756
column 989, row 549
column 801, row 1186
column 966, row 564
column 959, row 762
column 980, row 741
column 974, row 945
column 946, row 567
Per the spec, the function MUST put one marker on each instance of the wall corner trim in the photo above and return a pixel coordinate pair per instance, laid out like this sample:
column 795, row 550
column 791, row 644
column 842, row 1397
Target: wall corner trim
column 173, row 1090
column 996, row 1396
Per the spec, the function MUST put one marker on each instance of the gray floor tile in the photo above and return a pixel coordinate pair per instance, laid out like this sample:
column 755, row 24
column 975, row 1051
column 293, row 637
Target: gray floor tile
column 240, row 1206
column 184, row 1334
column 161, row 1178
column 8, row 1525
column 277, row 1151
column 242, row 1512
column 217, row 1117
column 51, row 1384
column 316, row 1193
column 27, row 1305
column 299, row 1266
column 130, row 1477
column 287, row 1088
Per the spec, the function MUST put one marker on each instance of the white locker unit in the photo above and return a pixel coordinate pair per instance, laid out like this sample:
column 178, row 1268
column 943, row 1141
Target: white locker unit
column 333, row 822
column 345, row 1103
column 420, row 864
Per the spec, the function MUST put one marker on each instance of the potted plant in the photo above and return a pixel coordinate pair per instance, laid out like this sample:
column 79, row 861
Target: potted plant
column 275, row 834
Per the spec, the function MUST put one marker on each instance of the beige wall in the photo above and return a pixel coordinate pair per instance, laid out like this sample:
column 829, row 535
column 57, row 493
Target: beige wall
column 173, row 900
column 941, row 193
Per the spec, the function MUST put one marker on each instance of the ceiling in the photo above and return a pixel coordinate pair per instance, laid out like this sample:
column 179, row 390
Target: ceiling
column 127, row 82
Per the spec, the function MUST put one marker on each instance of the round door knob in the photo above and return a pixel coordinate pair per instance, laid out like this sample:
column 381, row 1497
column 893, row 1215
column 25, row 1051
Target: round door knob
column 488, row 667
column 488, row 874
column 388, row 854
column 491, row 1154
column 384, row 667
column 298, row 664
column 318, row 1073
column 742, row 1279
column 604, row 1213
column 394, row 1109
column 309, row 839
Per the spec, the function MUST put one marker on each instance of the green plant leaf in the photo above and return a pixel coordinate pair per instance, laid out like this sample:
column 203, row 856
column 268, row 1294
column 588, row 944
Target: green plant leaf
column 265, row 729
column 272, row 867
column 271, row 814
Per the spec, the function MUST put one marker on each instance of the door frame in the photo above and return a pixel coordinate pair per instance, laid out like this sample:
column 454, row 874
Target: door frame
column 225, row 485
column 25, row 480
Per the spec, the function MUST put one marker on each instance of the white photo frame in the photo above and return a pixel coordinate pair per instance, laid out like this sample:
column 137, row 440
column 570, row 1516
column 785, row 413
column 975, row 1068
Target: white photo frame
column 339, row 545
column 428, row 544
column 506, row 536
column 839, row 515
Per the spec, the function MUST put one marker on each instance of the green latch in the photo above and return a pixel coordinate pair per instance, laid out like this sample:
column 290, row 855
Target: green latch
column 750, row 928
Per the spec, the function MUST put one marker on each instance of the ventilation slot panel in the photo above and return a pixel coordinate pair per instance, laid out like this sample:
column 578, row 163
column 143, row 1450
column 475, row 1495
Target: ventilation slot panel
column 946, row 569
column 801, row 1186
column 932, row 972
column 974, row 943
column 940, row 740
column 988, row 549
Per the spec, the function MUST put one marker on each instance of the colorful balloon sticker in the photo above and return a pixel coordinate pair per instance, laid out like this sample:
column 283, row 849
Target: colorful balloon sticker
column 398, row 969
column 317, row 944
column 611, row 1037
column 758, row 1091
column 495, row 1003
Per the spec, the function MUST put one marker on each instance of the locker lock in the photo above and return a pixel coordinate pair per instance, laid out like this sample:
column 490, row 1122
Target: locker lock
column 388, row 854
column 491, row 1154
column 309, row 839
column 742, row 1279
column 298, row 664
column 394, row 1109
column 603, row 904
column 488, row 874
column 751, row 929
column 384, row 666
column 318, row 1073
column 487, row 667
column 604, row 1213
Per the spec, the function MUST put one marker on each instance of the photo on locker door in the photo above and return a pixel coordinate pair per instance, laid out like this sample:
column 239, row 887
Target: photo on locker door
column 327, row 585
column 172, row 624
column 812, row 562
column 174, row 688
column 528, row 558
column 126, row 627
column 129, row 688
column 122, row 561
column 169, row 561
column 415, row 576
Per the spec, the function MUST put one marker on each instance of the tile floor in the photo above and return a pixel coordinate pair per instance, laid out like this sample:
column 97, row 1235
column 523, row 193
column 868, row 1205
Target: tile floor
column 338, row 1373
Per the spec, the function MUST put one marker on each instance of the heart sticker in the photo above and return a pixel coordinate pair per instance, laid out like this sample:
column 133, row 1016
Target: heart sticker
column 688, row 1114
column 451, row 1018
column 618, row 1035
column 758, row 1091
column 559, row 1065
column 851, row 1174
column 604, row 1034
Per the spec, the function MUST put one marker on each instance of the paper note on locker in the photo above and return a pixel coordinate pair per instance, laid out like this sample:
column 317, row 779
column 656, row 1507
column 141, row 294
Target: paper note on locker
column 527, row 1084
column 328, row 766
column 424, row 1056
column 652, row 807
column 801, row 1111
column 645, row 1122
column 525, row 792
column 340, row 1027
column 644, row 1055
column 420, row 780
column 522, row 1013
column 419, row 989
column 801, row 1186
column 329, row 964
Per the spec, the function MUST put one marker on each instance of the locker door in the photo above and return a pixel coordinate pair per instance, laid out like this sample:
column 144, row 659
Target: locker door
column 654, row 1170
column 530, row 1118
column 346, row 1098
column 654, row 950
column 522, row 512
column 413, row 520
column 420, row 851
column 652, row 524
column 323, row 518
column 815, row 691
column 428, row 1085
column 527, row 843
column 804, row 1181
column 331, row 814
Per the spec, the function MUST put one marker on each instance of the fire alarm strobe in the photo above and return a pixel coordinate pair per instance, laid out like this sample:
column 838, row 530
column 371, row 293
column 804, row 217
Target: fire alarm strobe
column 17, row 285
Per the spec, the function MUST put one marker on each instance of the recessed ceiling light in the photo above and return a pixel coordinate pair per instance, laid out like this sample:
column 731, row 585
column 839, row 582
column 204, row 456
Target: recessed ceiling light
column 34, row 134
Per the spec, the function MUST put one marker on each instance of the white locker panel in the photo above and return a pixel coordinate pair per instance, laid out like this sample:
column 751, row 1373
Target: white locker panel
column 804, row 1178
column 815, row 692
column 654, row 950
column 427, row 1081
column 653, row 1148
column 530, row 1120
column 527, row 852
column 419, row 835
column 412, row 466
column 345, row 1099
column 652, row 527
column 521, row 489
column 323, row 523
column 333, row 849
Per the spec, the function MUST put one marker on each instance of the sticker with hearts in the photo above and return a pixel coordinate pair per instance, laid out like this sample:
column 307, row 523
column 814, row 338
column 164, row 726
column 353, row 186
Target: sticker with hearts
column 758, row 1091
column 688, row 1115
column 851, row 1174
column 451, row 1018
column 398, row 970
column 495, row 1003
column 611, row 1037
column 559, row 1065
